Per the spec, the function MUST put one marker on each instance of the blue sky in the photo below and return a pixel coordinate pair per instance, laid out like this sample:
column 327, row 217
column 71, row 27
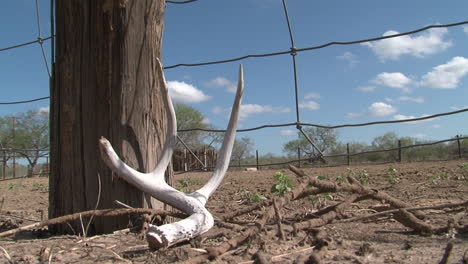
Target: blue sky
column 410, row 76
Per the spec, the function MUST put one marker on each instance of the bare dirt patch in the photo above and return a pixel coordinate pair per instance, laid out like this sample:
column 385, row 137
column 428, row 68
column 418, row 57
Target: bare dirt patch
column 381, row 239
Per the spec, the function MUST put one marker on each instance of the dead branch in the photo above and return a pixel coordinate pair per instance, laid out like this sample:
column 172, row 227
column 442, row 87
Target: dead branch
column 246, row 210
column 281, row 234
column 446, row 256
column 409, row 220
column 327, row 186
column 435, row 207
column 327, row 217
column 102, row 213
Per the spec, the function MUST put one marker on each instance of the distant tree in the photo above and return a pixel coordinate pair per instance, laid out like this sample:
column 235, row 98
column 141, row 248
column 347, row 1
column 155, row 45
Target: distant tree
column 324, row 138
column 31, row 137
column 242, row 149
column 189, row 117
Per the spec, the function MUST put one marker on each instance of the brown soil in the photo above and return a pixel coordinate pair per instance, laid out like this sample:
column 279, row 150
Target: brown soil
column 374, row 240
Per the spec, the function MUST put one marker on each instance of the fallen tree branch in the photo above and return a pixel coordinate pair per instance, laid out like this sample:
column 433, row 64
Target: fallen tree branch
column 446, row 256
column 353, row 188
column 103, row 213
column 435, row 207
column 327, row 217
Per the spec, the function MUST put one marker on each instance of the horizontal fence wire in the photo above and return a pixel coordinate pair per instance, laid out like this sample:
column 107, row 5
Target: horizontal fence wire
column 25, row 44
column 26, row 101
column 317, row 47
column 335, row 126
column 180, row 2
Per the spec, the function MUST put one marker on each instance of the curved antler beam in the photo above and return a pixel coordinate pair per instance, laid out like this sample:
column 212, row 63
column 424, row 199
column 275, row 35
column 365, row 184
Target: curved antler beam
column 153, row 183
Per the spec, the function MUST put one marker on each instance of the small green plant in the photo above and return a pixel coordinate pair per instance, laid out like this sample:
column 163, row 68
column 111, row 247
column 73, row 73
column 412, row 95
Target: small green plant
column 340, row 178
column 444, row 175
column 183, row 185
column 327, row 196
column 464, row 169
column 323, row 177
column 257, row 198
column 392, row 176
column 434, row 179
column 247, row 197
column 364, row 176
column 40, row 187
column 13, row 186
column 282, row 185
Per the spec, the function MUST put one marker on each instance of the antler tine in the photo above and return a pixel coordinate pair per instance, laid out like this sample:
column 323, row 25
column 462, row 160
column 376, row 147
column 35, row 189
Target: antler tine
column 142, row 180
column 171, row 132
column 224, row 155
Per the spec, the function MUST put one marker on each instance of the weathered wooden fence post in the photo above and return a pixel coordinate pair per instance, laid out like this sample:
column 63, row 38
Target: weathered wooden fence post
column 256, row 154
column 347, row 154
column 185, row 159
column 399, row 150
column 299, row 157
column 459, row 147
column 204, row 159
column 14, row 164
column 4, row 164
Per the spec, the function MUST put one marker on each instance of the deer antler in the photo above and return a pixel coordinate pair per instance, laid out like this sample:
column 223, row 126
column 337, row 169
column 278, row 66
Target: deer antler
column 153, row 183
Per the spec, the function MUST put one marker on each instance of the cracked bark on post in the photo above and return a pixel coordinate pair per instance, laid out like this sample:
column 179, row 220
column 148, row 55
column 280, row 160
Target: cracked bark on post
column 200, row 219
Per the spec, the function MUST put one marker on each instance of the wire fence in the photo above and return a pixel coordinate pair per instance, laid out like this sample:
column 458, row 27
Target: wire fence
column 458, row 149
column 21, row 163
column 293, row 51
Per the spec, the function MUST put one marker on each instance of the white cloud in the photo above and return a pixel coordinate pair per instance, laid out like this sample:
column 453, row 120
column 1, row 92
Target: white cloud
column 465, row 29
column 353, row 115
column 418, row 100
column 185, row 93
column 221, row 82
column 393, row 79
column 403, row 117
column 427, row 43
column 455, row 108
column 381, row 109
column 312, row 96
column 288, row 132
column 436, row 126
column 247, row 110
column 206, row 121
column 349, row 57
column 446, row 76
column 44, row 110
column 366, row 89
column 310, row 105
column 420, row 136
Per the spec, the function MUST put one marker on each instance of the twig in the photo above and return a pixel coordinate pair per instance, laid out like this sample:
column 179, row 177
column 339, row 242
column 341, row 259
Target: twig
column 246, row 210
column 103, row 213
column 328, row 217
column 446, row 256
column 7, row 256
column 279, row 218
column 122, row 204
column 82, row 227
column 440, row 206
column 97, row 203
column 19, row 217
column 279, row 257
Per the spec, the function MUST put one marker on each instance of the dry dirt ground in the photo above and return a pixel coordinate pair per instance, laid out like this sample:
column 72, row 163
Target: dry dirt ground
column 380, row 239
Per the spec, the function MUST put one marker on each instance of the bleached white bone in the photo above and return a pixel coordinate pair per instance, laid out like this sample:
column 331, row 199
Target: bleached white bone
column 153, row 183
